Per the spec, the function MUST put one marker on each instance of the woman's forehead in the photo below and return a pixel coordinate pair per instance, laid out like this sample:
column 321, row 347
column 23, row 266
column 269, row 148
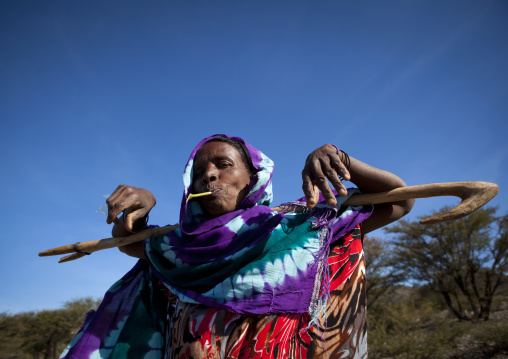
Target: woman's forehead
column 216, row 150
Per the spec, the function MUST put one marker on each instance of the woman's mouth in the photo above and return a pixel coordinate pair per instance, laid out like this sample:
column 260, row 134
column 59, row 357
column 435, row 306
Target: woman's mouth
column 213, row 189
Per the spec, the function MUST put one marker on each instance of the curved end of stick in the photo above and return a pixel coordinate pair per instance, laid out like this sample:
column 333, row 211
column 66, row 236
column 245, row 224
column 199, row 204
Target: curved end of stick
column 58, row 250
column 483, row 193
column 71, row 257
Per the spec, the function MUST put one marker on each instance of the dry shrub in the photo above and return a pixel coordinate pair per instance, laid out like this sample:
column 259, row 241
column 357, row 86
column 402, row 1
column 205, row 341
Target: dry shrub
column 411, row 329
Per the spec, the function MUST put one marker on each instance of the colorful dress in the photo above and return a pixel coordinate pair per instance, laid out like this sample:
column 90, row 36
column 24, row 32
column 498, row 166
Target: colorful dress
column 252, row 283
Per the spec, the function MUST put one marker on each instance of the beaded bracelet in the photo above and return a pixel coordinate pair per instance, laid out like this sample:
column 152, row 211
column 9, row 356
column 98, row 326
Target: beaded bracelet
column 348, row 160
column 346, row 157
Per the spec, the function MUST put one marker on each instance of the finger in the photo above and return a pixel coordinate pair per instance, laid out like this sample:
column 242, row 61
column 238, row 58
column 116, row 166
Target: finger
column 340, row 167
column 113, row 212
column 132, row 217
column 341, row 171
column 117, row 193
column 114, row 207
column 321, row 181
column 337, row 183
column 331, row 173
column 117, row 207
column 121, row 199
column 310, row 190
column 129, row 221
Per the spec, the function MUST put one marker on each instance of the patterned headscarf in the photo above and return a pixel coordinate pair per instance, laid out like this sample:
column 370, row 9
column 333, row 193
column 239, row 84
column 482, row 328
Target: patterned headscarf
column 192, row 219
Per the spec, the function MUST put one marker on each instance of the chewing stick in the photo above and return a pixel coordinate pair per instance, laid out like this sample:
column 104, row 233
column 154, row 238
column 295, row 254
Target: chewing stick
column 194, row 195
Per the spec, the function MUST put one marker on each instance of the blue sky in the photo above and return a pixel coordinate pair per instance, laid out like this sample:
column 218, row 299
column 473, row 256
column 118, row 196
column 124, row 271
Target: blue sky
column 100, row 93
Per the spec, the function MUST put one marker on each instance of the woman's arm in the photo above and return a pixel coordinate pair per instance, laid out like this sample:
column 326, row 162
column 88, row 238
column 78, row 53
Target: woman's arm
column 135, row 203
column 326, row 164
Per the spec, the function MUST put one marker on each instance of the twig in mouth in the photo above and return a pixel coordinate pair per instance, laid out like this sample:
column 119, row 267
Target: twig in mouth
column 194, row 195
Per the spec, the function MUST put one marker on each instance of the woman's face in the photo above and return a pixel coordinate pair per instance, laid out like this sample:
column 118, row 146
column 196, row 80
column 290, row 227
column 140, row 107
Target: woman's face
column 218, row 168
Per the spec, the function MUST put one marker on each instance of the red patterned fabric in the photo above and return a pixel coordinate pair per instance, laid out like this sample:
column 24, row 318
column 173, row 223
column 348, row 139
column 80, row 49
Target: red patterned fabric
column 197, row 331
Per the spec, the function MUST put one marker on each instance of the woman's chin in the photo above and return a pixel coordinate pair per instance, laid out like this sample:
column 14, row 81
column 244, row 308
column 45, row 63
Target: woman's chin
column 213, row 210
column 215, row 206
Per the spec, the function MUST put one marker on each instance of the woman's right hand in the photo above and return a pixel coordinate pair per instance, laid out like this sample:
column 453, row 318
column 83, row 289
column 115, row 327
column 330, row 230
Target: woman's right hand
column 322, row 165
column 135, row 202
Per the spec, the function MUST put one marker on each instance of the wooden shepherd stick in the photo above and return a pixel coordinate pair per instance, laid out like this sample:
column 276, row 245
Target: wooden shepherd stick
column 473, row 194
column 84, row 248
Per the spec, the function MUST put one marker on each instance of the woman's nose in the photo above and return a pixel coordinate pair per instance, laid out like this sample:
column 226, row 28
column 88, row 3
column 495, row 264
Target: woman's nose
column 210, row 174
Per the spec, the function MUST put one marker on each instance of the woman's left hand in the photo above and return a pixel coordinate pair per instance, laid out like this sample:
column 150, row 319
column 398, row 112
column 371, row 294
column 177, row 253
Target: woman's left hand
column 135, row 202
column 322, row 165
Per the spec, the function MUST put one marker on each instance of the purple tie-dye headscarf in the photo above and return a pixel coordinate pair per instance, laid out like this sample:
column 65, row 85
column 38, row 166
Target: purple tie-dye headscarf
column 192, row 220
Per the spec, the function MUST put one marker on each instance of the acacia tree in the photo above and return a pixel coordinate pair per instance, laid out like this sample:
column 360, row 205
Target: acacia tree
column 380, row 274
column 46, row 333
column 464, row 260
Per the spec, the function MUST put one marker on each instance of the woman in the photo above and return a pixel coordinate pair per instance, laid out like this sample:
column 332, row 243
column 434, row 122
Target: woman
column 238, row 280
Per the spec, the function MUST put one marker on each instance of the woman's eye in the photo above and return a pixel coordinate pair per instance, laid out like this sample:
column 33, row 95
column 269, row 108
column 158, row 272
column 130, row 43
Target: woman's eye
column 224, row 164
